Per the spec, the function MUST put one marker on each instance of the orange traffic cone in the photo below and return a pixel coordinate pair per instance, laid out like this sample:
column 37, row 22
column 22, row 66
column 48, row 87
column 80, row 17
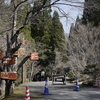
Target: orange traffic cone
column 96, row 82
column 27, row 96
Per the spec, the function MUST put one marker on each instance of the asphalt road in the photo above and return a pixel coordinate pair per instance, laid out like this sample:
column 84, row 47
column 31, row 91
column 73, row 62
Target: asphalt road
column 65, row 92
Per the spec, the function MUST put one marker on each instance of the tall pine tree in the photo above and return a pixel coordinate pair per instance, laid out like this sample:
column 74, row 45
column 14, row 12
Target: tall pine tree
column 41, row 30
column 57, row 31
column 49, row 36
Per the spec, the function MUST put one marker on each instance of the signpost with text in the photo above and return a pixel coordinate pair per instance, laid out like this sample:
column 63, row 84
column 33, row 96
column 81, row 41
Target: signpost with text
column 8, row 75
column 8, row 60
column 34, row 56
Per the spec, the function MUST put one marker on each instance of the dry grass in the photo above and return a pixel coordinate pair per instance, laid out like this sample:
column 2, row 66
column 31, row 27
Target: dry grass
column 19, row 94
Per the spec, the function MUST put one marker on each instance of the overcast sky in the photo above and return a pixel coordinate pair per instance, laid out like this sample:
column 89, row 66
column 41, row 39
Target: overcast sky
column 72, row 13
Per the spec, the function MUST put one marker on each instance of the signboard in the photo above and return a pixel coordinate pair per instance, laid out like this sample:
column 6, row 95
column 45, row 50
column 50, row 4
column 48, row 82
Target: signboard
column 20, row 51
column 1, row 54
column 8, row 60
column 8, row 75
column 34, row 56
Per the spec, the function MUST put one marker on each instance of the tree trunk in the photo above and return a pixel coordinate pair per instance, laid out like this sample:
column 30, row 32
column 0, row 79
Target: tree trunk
column 9, row 89
column 9, row 84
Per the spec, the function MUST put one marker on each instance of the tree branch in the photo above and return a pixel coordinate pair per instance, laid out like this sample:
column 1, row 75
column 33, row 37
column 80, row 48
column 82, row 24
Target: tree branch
column 22, row 62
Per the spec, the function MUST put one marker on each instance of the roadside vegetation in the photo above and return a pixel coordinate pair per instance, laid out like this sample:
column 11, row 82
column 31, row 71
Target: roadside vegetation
column 19, row 94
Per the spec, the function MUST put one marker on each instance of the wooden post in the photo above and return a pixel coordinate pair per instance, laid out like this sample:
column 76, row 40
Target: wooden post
column 23, row 73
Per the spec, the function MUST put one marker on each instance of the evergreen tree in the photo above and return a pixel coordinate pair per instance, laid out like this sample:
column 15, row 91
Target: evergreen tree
column 41, row 30
column 58, row 36
column 91, row 12
column 49, row 37
column 57, row 32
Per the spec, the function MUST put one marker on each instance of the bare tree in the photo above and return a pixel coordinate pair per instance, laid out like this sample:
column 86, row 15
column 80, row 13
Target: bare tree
column 12, row 22
column 83, row 47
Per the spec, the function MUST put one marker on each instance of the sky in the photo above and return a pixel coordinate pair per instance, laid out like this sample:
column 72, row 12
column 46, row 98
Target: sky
column 7, row 1
column 72, row 13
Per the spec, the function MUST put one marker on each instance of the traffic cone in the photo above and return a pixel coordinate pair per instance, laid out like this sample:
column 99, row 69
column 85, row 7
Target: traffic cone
column 96, row 82
column 77, row 88
column 46, row 89
column 27, row 96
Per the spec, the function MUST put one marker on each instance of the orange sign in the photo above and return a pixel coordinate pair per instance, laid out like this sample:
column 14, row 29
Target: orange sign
column 1, row 54
column 34, row 56
column 8, row 75
column 8, row 60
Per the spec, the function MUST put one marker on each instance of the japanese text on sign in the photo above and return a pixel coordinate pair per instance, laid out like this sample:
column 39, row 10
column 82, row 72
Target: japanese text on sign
column 8, row 60
column 8, row 75
column 34, row 56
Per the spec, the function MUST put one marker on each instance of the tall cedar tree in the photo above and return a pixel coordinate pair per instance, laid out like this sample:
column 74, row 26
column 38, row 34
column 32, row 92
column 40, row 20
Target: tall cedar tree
column 58, row 36
column 91, row 14
column 48, row 34
column 58, row 32
column 41, row 32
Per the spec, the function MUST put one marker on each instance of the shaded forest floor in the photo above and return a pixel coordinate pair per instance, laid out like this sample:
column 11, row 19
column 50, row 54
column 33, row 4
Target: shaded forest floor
column 19, row 94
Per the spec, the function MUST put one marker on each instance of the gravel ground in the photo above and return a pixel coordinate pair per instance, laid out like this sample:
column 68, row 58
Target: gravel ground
column 65, row 92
